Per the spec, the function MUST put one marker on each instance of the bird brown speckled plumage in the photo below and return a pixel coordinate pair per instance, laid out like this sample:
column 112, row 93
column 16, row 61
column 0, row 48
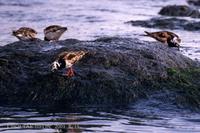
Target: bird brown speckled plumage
column 53, row 32
column 166, row 37
column 25, row 33
column 67, row 60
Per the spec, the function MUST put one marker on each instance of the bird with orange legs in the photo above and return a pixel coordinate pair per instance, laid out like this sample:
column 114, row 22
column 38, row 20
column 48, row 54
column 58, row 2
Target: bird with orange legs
column 67, row 60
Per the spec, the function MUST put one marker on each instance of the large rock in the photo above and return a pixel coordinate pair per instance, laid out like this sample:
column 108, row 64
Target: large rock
column 180, row 10
column 167, row 23
column 115, row 71
column 194, row 2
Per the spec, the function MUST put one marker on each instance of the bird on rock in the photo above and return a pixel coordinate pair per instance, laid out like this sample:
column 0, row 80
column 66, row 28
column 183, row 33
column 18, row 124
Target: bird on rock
column 25, row 33
column 166, row 37
column 67, row 60
column 53, row 32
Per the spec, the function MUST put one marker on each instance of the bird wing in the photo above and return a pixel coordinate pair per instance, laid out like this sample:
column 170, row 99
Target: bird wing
column 73, row 57
column 159, row 36
column 172, row 34
column 26, row 29
column 52, row 28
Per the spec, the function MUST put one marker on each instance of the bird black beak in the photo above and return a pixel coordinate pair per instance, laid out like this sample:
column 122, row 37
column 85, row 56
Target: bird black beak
column 13, row 32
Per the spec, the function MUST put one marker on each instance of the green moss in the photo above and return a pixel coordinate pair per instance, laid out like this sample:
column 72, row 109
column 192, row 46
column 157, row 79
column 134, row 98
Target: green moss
column 190, row 77
column 171, row 71
column 186, row 84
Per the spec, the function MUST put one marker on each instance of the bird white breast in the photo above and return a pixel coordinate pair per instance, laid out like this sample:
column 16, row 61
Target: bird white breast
column 68, row 64
column 23, row 37
column 52, row 35
column 19, row 35
column 175, row 40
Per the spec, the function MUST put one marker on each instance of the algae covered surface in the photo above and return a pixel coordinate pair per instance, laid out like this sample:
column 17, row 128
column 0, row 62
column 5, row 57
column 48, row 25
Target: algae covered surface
column 115, row 71
column 186, row 83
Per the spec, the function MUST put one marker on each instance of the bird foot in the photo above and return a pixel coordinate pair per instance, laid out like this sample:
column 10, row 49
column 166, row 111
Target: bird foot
column 70, row 73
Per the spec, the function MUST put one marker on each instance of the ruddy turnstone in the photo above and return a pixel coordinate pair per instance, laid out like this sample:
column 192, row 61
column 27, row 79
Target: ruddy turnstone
column 166, row 37
column 25, row 33
column 53, row 32
column 67, row 60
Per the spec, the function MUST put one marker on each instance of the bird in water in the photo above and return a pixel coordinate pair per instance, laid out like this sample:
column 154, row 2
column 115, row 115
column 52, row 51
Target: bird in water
column 165, row 37
column 67, row 60
column 53, row 32
column 25, row 33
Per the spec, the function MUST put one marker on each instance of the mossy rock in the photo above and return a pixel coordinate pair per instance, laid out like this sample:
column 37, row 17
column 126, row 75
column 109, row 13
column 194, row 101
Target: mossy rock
column 115, row 71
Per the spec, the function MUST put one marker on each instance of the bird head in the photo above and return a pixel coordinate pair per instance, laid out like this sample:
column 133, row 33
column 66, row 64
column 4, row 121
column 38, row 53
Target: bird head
column 13, row 32
column 62, row 30
column 175, row 42
column 55, row 66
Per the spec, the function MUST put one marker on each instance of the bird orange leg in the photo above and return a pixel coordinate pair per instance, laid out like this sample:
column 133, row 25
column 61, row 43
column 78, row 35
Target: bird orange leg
column 70, row 72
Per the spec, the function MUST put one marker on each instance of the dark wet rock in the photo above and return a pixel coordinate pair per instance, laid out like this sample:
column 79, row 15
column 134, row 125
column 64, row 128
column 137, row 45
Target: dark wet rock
column 167, row 23
column 180, row 10
column 115, row 71
column 194, row 2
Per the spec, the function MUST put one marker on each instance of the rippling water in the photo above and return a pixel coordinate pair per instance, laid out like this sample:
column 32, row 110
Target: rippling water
column 86, row 20
column 124, row 119
column 89, row 19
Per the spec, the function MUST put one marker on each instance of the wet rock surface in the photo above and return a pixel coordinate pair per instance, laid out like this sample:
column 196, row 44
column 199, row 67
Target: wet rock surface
column 115, row 71
column 194, row 2
column 167, row 23
column 180, row 10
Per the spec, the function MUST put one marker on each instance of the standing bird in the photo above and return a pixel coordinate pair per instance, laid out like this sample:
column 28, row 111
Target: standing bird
column 166, row 37
column 53, row 32
column 25, row 33
column 67, row 60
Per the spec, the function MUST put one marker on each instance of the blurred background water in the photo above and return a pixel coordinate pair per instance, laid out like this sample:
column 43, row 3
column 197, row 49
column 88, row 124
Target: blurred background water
column 88, row 20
